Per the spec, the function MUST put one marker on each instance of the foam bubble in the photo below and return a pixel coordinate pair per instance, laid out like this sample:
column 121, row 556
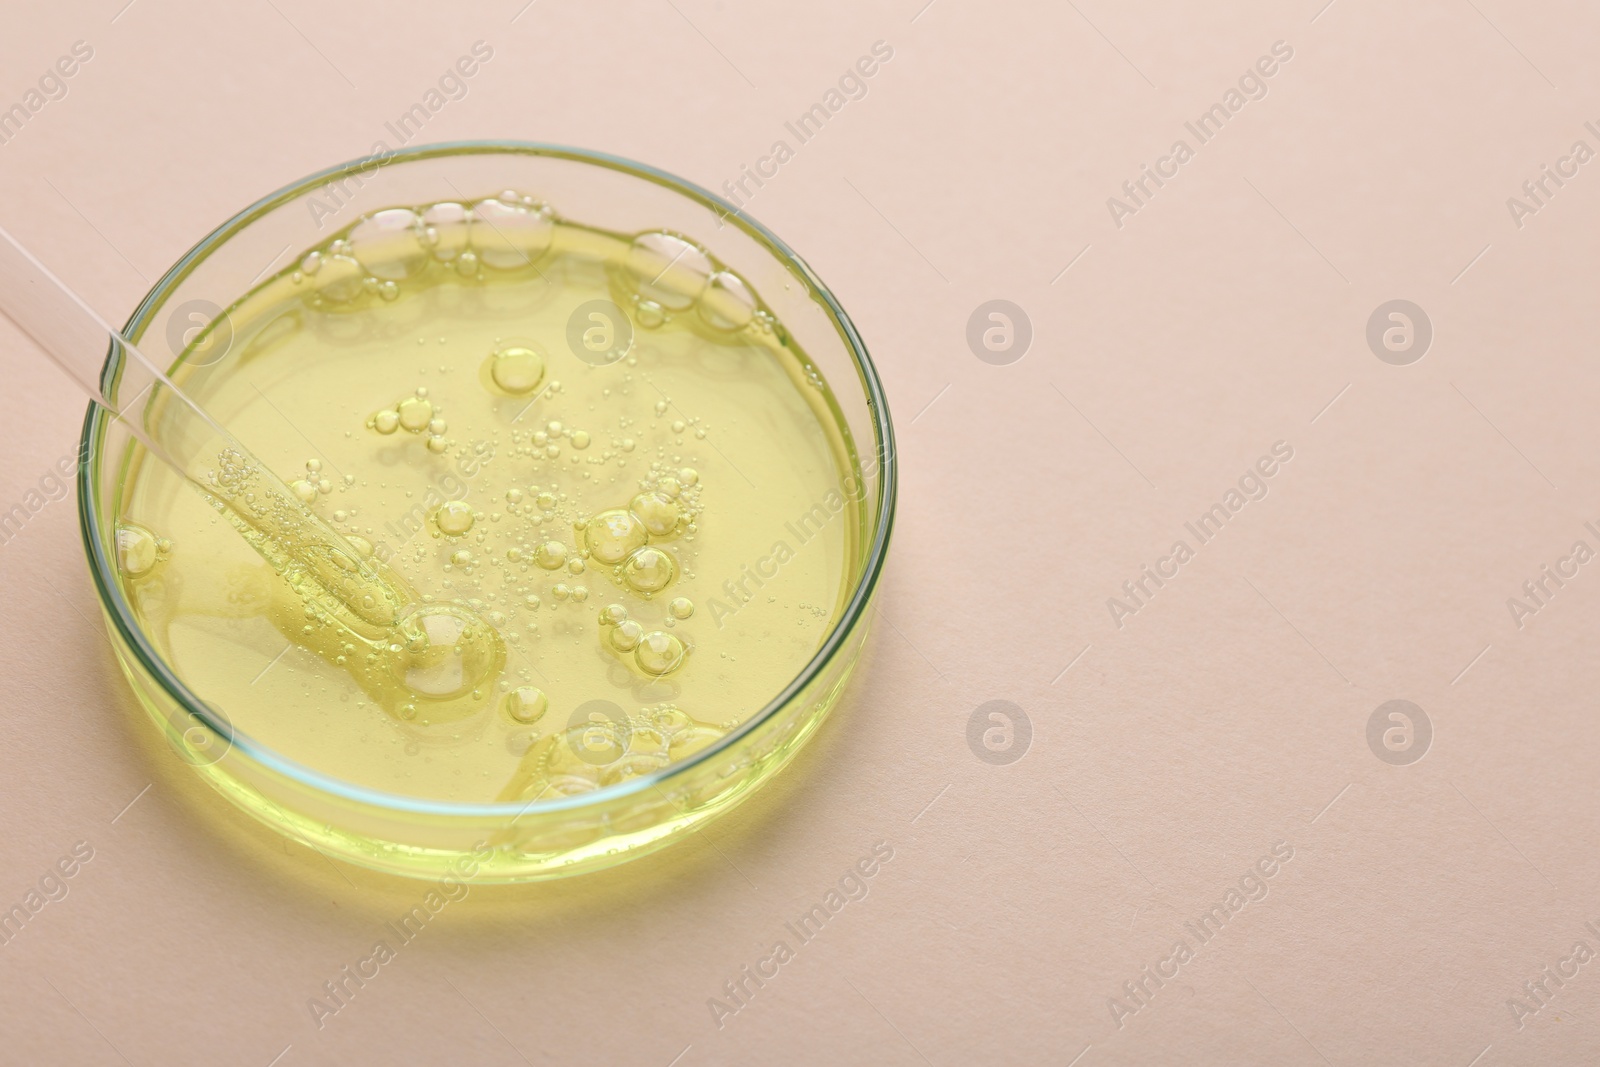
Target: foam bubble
column 612, row 535
column 525, row 704
column 447, row 651
column 727, row 303
column 508, row 235
column 138, row 550
column 453, row 518
column 659, row 653
column 656, row 512
column 517, row 368
column 668, row 270
column 649, row 570
column 390, row 244
column 445, row 229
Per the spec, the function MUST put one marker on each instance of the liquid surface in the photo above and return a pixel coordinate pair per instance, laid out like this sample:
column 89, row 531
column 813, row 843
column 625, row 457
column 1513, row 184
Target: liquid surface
column 612, row 491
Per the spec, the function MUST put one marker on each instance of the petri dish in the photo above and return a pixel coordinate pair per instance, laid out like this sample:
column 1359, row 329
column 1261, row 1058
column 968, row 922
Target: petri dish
column 626, row 453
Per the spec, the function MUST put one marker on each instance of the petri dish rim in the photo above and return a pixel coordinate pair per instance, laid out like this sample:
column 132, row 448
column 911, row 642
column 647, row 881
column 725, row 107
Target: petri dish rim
column 120, row 613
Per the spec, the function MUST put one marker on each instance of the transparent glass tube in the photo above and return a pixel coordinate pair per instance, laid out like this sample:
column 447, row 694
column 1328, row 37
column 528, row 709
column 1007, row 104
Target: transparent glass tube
column 364, row 596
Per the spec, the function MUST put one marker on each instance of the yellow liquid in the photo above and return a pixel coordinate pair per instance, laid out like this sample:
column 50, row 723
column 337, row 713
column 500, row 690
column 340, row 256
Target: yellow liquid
column 621, row 500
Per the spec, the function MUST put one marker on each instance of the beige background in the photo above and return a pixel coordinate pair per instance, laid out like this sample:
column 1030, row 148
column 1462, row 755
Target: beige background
column 1226, row 716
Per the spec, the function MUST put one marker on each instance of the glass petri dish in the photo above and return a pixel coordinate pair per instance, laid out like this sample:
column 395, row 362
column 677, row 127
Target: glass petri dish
column 688, row 255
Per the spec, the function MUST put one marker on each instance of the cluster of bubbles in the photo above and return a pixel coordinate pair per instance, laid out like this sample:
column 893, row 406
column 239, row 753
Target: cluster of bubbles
column 312, row 484
column 655, row 652
column 387, row 247
column 416, row 414
column 669, row 274
column 628, row 539
column 606, row 750
column 545, row 443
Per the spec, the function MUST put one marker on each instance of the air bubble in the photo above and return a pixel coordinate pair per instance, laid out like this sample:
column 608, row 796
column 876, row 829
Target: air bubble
column 508, row 236
column 612, row 535
column 339, row 279
column 453, row 518
column 659, row 653
column 550, row 555
column 445, row 229
column 626, row 637
column 138, row 550
column 681, row 607
column 448, row 651
column 518, row 369
column 649, row 570
column 415, row 413
column 525, row 704
column 727, row 303
column 390, row 244
column 385, row 422
column 668, row 269
column 650, row 314
column 656, row 512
